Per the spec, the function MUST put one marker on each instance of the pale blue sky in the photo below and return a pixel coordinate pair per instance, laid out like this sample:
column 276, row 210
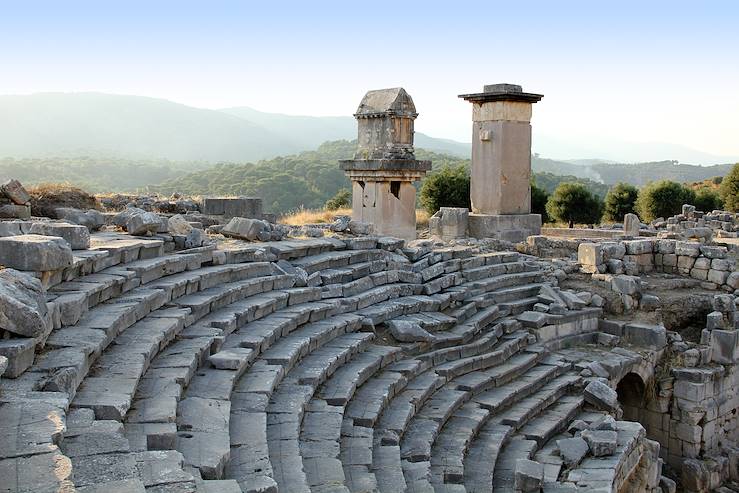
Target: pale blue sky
column 659, row 71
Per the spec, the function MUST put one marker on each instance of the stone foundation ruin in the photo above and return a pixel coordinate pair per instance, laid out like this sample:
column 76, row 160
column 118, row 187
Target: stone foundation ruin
column 191, row 351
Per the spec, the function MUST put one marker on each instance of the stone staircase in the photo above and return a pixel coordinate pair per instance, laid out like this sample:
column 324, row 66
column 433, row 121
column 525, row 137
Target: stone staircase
column 270, row 367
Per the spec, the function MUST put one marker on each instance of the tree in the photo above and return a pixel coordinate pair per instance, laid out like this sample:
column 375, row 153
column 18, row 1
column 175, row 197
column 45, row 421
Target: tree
column 573, row 203
column 620, row 200
column 663, row 198
column 539, row 198
column 448, row 187
column 343, row 198
column 707, row 200
column 730, row 189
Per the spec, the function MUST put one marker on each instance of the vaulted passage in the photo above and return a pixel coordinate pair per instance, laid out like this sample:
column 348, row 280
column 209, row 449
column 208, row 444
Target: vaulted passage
column 630, row 392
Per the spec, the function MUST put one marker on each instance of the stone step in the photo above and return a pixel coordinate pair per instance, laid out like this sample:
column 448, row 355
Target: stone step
column 292, row 472
column 552, row 420
column 590, row 472
column 505, row 466
column 492, row 270
column 520, row 413
column 519, row 306
column 336, row 259
column 500, row 282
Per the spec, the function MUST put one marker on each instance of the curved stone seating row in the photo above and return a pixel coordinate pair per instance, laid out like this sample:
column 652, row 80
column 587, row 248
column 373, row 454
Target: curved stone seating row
column 311, row 312
column 275, row 371
column 18, row 391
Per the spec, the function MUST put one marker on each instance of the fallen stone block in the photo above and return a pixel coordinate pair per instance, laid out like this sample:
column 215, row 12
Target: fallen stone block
column 22, row 304
column 91, row 219
column 602, row 443
column 651, row 336
column 13, row 211
column 602, row 396
column 178, row 225
column 529, row 475
column 531, row 319
column 142, row 223
column 15, row 192
column 76, row 235
column 19, row 353
column 35, row 253
column 626, row 284
column 244, row 228
column 405, row 331
column 572, row 450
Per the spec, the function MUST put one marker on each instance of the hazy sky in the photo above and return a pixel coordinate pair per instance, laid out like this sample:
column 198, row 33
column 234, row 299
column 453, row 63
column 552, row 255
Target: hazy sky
column 662, row 71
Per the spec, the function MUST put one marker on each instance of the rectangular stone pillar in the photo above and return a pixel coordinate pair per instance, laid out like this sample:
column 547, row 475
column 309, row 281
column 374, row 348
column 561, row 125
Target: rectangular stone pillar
column 500, row 188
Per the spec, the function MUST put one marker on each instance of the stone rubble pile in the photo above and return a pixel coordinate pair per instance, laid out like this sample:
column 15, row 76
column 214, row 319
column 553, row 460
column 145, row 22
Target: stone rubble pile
column 709, row 264
column 15, row 202
column 692, row 223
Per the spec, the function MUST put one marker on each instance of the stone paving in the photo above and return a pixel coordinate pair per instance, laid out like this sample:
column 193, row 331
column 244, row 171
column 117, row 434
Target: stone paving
column 279, row 366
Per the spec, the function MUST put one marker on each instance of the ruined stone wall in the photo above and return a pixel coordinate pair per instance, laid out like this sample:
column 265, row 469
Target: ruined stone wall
column 711, row 265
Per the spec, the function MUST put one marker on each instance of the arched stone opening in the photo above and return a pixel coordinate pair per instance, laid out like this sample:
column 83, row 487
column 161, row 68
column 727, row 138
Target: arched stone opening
column 631, row 392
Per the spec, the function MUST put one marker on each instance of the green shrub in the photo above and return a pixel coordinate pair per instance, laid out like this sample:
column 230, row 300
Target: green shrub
column 663, row 198
column 574, row 203
column 707, row 200
column 620, row 200
column 539, row 198
column 448, row 187
column 730, row 189
column 343, row 198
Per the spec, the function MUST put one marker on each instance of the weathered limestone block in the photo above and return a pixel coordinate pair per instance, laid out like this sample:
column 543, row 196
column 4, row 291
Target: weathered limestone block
column 615, row 266
column 626, row 284
column 631, row 225
column 178, row 225
column 651, row 336
column 733, row 280
column 688, row 248
column 22, row 304
column 449, row 223
column 20, row 354
column 572, row 450
column 529, row 475
column 143, row 223
column 77, row 236
column 590, row 254
column 15, row 192
column 91, row 219
column 248, row 207
column 602, row 396
column 685, row 263
column 601, row 442
column 725, row 346
column 666, row 246
column 713, row 251
column 35, row 253
column 717, row 276
column 406, row 331
column 13, row 211
column 637, row 247
column 244, row 228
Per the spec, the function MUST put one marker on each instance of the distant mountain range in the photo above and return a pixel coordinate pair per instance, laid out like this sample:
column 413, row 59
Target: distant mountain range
column 103, row 126
column 135, row 127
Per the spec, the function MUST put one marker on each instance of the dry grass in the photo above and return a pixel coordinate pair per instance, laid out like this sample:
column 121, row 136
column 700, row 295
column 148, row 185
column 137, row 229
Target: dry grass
column 313, row 216
column 422, row 218
column 46, row 197
column 323, row 216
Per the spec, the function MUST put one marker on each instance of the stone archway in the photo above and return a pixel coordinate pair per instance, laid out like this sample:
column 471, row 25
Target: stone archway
column 631, row 392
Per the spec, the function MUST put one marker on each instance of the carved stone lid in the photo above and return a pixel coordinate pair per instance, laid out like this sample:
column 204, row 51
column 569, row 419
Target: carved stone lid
column 386, row 102
column 502, row 92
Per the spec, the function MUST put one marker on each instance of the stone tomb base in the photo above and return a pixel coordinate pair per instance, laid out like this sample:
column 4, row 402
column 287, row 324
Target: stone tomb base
column 508, row 227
